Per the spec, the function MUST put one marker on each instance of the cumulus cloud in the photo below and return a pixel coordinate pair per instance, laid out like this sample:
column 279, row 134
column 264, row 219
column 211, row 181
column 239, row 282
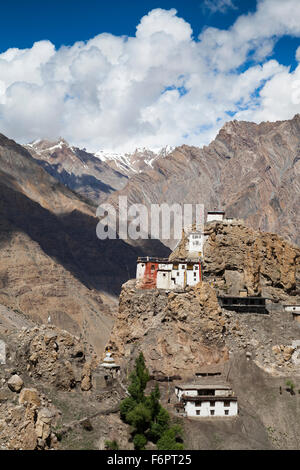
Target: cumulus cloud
column 161, row 87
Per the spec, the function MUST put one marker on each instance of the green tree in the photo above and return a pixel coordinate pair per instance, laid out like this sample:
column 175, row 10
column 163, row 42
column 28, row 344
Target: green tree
column 139, row 441
column 160, row 425
column 169, row 439
column 147, row 418
column 139, row 418
column 139, row 378
column 126, row 406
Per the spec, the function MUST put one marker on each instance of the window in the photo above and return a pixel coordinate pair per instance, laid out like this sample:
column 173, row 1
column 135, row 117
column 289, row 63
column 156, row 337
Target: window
column 206, row 392
column 226, row 412
column 196, row 268
column 212, row 412
column 143, row 265
column 153, row 267
column 197, row 412
column 227, row 403
column 164, row 274
column 212, row 403
column 178, row 274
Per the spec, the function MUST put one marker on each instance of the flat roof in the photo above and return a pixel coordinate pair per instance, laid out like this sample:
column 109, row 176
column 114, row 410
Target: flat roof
column 241, row 297
column 205, row 386
column 148, row 259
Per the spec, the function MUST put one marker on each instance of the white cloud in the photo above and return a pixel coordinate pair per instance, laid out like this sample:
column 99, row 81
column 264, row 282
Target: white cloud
column 220, row 6
column 159, row 87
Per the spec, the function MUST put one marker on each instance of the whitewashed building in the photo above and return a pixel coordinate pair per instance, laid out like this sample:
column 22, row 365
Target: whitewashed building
column 215, row 215
column 206, row 400
column 156, row 273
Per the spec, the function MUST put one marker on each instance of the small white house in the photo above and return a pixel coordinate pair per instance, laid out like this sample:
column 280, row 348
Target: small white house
column 215, row 215
column 206, row 400
column 195, row 243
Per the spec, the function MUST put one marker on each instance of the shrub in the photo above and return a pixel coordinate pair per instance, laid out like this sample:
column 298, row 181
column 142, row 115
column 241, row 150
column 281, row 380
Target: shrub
column 112, row 445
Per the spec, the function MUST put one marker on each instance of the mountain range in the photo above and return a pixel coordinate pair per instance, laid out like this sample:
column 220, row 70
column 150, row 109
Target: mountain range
column 50, row 190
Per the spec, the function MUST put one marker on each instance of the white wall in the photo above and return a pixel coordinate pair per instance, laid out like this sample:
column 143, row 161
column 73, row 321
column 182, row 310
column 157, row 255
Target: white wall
column 195, row 242
column 205, row 407
column 211, row 217
column 193, row 276
column 140, row 270
column 163, row 280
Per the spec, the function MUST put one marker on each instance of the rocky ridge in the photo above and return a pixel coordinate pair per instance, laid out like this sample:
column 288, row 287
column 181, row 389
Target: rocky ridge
column 250, row 170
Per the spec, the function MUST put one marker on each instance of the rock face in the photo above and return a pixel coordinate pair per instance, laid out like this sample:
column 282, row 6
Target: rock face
column 177, row 332
column 237, row 257
column 250, row 170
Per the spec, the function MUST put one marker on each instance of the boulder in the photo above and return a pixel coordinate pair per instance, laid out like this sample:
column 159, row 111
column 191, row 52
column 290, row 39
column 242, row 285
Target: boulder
column 15, row 383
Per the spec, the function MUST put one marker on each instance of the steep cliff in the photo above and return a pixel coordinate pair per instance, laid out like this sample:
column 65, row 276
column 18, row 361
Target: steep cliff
column 177, row 332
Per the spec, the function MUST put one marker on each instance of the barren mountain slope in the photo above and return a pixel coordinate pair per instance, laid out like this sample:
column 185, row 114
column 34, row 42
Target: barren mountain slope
column 77, row 169
column 52, row 261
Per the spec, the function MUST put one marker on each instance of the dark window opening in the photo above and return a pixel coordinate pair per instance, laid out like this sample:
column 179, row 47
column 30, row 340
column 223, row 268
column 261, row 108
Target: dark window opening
column 205, row 392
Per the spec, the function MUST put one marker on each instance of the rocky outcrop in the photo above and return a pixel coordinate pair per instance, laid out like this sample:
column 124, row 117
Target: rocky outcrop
column 237, row 257
column 177, row 332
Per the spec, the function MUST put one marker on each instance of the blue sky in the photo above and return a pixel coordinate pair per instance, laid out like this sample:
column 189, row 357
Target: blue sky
column 67, row 21
column 64, row 22
column 187, row 67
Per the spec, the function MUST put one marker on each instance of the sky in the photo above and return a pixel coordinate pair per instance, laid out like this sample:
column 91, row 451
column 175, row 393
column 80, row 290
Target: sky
column 118, row 75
